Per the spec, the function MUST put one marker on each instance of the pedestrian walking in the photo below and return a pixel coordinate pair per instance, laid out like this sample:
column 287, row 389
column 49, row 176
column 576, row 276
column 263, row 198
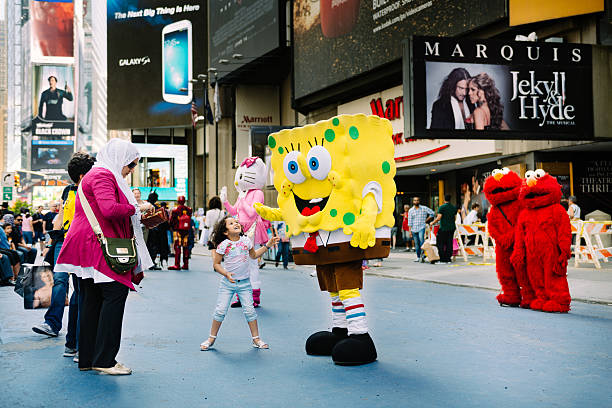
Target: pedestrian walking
column 37, row 226
column 27, row 228
column 444, row 239
column 48, row 220
column 110, row 203
column 78, row 166
column 418, row 216
column 573, row 209
column 406, row 236
column 214, row 214
column 279, row 229
column 230, row 259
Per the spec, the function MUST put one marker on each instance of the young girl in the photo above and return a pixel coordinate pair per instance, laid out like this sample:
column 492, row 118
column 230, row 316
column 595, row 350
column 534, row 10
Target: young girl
column 234, row 249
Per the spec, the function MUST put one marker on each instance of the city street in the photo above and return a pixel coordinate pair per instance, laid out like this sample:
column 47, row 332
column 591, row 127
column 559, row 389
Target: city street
column 439, row 345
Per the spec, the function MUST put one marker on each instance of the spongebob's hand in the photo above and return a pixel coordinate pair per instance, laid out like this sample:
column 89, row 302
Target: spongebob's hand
column 364, row 233
column 268, row 213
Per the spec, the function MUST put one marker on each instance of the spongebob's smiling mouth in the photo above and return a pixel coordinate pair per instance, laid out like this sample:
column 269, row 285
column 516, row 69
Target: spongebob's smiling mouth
column 310, row 207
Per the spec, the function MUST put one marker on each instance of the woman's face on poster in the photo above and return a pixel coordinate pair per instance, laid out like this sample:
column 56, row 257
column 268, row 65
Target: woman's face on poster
column 476, row 94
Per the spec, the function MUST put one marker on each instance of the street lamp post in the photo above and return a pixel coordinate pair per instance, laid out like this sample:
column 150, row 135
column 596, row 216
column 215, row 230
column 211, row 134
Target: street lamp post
column 200, row 78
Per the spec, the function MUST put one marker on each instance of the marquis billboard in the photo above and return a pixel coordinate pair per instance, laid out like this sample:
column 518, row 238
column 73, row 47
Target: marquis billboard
column 489, row 89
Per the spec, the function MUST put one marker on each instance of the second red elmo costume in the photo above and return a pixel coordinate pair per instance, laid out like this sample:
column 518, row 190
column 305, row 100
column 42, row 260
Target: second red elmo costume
column 542, row 244
column 502, row 190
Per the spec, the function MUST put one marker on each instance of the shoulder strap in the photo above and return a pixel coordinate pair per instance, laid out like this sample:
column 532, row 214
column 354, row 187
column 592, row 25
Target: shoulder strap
column 95, row 225
column 504, row 214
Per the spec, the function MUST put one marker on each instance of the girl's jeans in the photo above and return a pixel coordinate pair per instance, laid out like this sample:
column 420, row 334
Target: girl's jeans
column 224, row 297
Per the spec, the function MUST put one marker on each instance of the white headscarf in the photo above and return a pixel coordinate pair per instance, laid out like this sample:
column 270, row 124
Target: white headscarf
column 116, row 154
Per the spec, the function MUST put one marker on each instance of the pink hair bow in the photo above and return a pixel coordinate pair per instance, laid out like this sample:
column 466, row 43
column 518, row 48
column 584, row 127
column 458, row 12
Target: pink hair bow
column 249, row 161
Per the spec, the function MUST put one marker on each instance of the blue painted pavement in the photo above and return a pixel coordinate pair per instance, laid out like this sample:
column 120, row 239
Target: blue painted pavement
column 438, row 346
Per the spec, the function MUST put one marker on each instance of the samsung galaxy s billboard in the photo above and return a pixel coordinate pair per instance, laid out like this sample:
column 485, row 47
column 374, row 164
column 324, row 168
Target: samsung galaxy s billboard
column 154, row 49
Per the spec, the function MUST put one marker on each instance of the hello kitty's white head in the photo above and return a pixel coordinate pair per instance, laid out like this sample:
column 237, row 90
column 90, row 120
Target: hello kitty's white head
column 250, row 175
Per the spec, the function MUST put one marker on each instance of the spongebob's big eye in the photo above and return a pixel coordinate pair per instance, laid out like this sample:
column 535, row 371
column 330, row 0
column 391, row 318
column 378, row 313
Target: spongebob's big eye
column 319, row 162
column 505, row 170
column 529, row 174
column 540, row 173
column 292, row 168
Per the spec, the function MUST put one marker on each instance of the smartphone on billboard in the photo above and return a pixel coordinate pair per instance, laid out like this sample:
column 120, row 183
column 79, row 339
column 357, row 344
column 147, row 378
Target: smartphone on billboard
column 177, row 62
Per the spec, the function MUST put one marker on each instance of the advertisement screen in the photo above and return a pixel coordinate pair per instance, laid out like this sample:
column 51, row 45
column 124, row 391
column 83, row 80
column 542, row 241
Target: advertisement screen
column 52, row 30
column 249, row 28
column 154, row 49
column 51, row 154
column 163, row 169
column 492, row 89
column 53, row 102
column 330, row 35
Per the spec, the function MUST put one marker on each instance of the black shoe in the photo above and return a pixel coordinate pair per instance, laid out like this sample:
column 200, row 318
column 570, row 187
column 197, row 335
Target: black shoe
column 262, row 265
column 7, row 282
column 236, row 304
column 155, row 268
column 322, row 343
column 276, row 264
column 357, row 349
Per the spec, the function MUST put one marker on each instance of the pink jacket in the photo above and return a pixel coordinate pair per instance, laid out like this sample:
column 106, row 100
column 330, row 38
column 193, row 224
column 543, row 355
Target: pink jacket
column 112, row 210
column 247, row 215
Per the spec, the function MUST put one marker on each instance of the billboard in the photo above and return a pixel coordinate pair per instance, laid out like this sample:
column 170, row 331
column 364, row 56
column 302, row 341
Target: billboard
column 250, row 28
column 53, row 103
column 330, row 36
column 52, row 24
column 489, row 89
column 155, row 47
column 51, row 155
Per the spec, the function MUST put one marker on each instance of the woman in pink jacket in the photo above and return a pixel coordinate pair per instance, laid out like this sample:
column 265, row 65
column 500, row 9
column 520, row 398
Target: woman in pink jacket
column 103, row 292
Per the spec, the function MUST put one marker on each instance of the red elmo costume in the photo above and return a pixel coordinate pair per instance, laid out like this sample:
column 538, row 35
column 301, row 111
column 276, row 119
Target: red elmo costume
column 502, row 190
column 543, row 240
column 180, row 234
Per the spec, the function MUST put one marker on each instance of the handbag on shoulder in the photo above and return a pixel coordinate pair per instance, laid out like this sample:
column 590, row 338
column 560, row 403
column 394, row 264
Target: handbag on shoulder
column 120, row 253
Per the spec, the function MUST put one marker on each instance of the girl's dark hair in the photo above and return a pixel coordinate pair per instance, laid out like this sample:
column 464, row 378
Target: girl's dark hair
column 218, row 234
column 215, row 202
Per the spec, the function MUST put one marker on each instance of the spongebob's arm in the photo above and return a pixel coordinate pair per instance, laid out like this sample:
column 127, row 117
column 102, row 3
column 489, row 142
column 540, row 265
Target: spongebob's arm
column 268, row 213
column 364, row 233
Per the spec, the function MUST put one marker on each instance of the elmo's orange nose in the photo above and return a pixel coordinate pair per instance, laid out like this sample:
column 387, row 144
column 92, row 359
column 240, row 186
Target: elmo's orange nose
column 498, row 176
column 532, row 182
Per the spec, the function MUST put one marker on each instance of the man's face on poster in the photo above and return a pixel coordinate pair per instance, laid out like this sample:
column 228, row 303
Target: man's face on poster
column 461, row 90
column 52, row 83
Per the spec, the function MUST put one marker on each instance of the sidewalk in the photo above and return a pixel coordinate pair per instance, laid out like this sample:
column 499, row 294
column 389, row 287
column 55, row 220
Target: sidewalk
column 587, row 284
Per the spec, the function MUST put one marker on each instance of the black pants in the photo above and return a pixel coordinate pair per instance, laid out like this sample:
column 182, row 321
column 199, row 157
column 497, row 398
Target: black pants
column 13, row 256
column 102, row 307
column 444, row 242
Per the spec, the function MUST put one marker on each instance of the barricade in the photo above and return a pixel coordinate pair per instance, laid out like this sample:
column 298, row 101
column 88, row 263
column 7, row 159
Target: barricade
column 480, row 246
column 593, row 251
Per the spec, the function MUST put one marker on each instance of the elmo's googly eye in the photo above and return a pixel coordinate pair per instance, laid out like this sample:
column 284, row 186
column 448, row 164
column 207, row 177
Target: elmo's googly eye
column 292, row 168
column 530, row 174
column 319, row 162
column 505, row 170
column 495, row 172
column 539, row 173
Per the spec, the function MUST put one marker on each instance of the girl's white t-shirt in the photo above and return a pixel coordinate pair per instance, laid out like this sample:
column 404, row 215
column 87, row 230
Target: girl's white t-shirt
column 236, row 256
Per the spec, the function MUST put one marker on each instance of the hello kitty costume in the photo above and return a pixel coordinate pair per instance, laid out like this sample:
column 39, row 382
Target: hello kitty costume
column 249, row 180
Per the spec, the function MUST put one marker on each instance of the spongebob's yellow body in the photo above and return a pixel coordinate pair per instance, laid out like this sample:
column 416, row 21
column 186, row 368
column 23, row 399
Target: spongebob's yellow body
column 343, row 167
column 336, row 195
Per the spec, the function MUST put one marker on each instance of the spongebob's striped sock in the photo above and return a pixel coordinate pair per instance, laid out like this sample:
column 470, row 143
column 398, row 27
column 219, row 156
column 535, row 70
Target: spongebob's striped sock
column 355, row 311
column 338, row 313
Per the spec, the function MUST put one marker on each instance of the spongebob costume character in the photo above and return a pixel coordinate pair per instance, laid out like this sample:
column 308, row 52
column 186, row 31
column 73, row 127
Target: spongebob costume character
column 336, row 196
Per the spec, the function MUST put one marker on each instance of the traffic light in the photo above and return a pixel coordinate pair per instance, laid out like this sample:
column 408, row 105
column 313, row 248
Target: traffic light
column 17, row 180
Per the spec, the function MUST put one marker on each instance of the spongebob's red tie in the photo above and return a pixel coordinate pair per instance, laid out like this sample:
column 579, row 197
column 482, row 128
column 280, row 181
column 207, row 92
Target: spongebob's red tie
column 311, row 243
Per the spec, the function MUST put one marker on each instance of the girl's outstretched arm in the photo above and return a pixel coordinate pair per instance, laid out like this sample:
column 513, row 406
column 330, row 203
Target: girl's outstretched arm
column 257, row 253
